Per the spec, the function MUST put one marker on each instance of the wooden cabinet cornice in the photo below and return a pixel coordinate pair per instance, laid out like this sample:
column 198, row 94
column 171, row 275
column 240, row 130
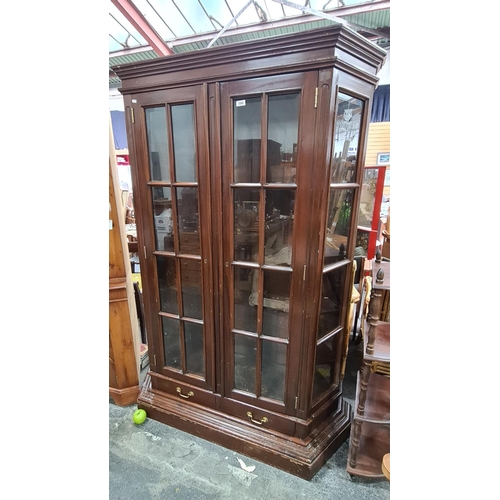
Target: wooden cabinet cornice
column 335, row 46
column 246, row 164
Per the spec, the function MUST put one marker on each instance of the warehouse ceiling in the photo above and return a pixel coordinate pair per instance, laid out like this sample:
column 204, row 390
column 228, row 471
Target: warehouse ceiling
column 147, row 29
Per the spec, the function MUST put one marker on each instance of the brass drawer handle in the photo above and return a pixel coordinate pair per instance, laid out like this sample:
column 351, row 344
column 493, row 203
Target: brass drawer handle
column 263, row 420
column 189, row 394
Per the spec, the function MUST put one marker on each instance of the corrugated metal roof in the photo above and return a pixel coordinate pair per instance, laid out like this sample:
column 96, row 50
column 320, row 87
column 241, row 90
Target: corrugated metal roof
column 375, row 20
column 128, row 58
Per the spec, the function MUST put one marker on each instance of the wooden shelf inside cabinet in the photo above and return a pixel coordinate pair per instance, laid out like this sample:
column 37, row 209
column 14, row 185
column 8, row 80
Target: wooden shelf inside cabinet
column 374, row 443
column 377, row 404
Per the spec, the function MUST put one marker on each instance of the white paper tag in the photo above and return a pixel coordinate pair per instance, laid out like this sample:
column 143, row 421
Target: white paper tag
column 243, row 102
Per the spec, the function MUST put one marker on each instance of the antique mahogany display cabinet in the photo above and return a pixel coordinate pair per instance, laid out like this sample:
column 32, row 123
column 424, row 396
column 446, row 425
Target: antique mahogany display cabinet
column 246, row 162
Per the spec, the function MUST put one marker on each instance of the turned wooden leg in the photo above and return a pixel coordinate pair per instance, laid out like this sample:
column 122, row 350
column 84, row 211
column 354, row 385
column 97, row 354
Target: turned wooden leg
column 365, row 376
column 356, row 434
column 373, row 318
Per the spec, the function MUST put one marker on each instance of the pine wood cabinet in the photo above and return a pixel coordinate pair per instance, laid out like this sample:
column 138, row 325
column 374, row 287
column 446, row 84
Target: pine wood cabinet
column 246, row 163
column 124, row 337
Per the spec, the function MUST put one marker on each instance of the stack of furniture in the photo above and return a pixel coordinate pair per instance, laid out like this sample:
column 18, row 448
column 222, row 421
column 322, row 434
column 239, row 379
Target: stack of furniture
column 370, row 430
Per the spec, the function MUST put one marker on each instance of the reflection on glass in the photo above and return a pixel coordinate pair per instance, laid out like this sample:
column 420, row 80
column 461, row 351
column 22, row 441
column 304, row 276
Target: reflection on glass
column 283, row 128
column 156, row 131
column 362, row 242
column 246, row 146
column 279, row 226
column 367, row 201
column 167, row 282
column 164, row 225
column 195, row 359
column 245, row 349
column 331, row 301
column 171, row 342
column 246, row 224
column 245, row 314
column 191, row 288
column 273, row 370
column 324, row 371
column 184, row 142
column 189, row 224
column 347, row 128
column 276, row 303
column 338, row 224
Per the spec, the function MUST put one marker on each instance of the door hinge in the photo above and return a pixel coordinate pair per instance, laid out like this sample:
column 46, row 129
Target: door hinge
column 133, row 117
column 145, row 252
column 154, row 358
column 304, row 274
column 296, row 401
column 316, row 98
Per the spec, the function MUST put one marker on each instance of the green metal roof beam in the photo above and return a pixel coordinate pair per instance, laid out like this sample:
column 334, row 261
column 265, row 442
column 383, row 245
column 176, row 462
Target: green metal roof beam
column 330, row 17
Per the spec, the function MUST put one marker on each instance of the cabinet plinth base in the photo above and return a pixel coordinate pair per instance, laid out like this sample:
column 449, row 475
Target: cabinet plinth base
column 302, row 458
column 124, row 397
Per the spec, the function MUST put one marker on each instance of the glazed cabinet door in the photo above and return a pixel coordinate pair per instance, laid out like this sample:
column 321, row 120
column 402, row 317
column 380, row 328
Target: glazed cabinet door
column 267, row 151
column 171, row 191
column 338, row 229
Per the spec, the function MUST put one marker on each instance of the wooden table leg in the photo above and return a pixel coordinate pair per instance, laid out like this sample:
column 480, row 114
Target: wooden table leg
column 356, row 434
column 365, row 376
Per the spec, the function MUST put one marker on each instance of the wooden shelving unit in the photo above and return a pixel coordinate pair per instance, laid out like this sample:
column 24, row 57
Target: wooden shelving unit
column 370, row 430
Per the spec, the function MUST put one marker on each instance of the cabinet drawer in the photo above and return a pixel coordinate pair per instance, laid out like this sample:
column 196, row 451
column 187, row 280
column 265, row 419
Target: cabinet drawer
column 182, row 391
column 263, row 419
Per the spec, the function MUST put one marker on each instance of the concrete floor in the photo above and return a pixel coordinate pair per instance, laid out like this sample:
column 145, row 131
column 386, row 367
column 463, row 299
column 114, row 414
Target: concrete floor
column 155, row 461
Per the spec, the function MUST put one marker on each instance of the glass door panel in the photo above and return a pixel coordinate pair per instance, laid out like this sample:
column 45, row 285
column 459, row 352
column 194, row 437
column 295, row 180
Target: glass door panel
column 261, row 128
column 245, row 360
column 157, row 143
column 191, row 288
column 339, row 228
column 246, row 139
column 324, row 369
column 283, row 130
column 273, row 370
column 172, row 185
column 184, row 142
column 338, row 224
column 245, row 312
column 331, row 301
column 188, row 220
column 276, row 303
column 194, row 341
column 172, row 342
column 346, row 141
column 163, row 219
column 167, row 283
column 246, row 224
